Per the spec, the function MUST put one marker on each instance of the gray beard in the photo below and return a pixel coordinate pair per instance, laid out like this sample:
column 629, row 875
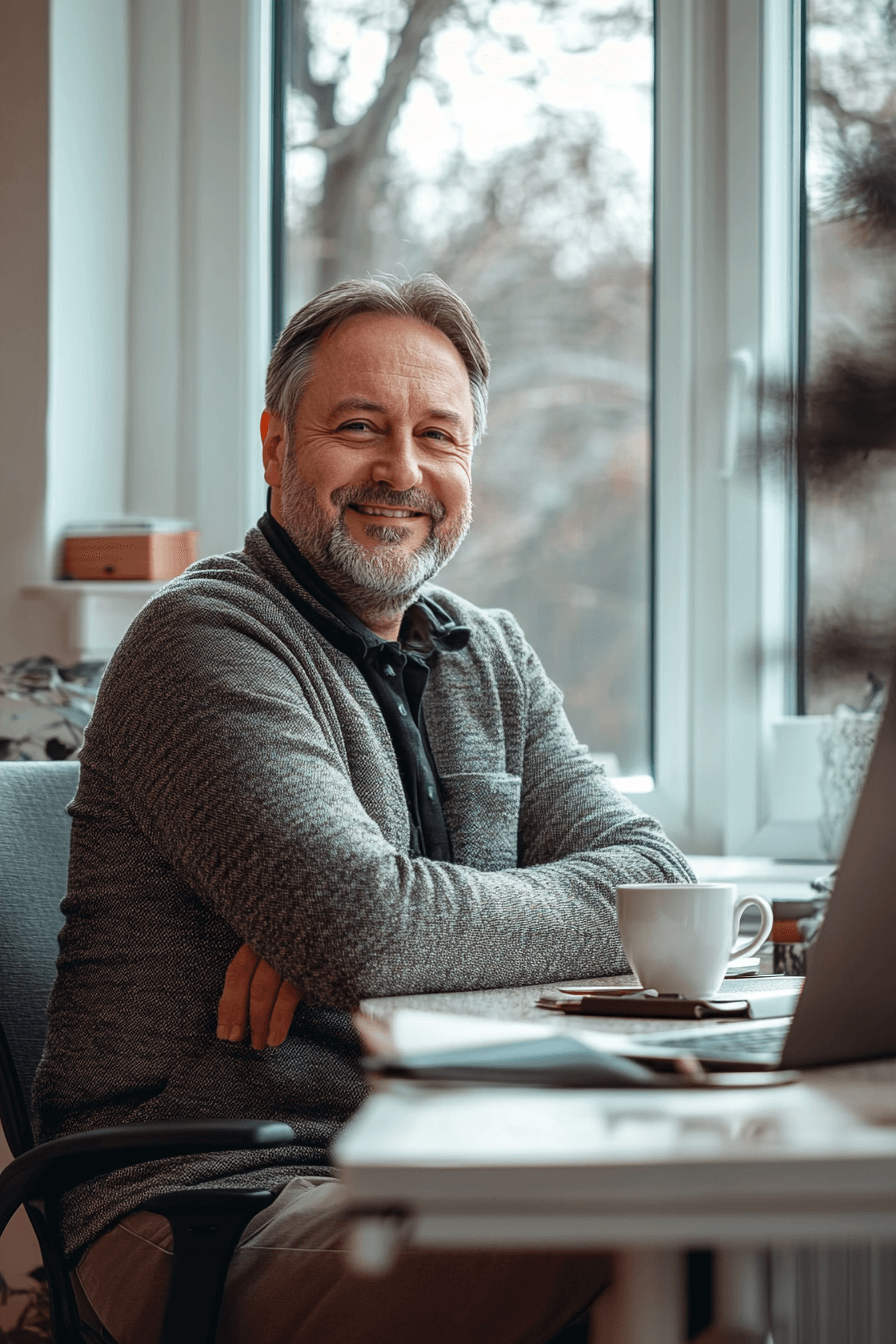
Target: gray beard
column 375, row 583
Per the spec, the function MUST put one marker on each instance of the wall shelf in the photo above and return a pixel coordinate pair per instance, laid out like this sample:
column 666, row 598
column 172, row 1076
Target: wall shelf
column 94, row 615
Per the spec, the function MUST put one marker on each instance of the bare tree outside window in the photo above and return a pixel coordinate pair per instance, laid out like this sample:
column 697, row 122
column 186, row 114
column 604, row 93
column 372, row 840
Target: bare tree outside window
column 851, row 180
column 507, row 145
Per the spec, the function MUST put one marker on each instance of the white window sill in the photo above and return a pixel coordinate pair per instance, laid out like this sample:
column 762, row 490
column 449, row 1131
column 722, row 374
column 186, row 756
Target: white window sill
column 768, row 877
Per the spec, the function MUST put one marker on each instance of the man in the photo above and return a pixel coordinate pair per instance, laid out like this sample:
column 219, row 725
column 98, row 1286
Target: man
column 304, row 756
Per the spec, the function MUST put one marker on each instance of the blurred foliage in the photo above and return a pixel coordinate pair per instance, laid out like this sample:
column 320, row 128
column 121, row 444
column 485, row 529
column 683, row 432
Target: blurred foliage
column 847, row 440
column 487, row 140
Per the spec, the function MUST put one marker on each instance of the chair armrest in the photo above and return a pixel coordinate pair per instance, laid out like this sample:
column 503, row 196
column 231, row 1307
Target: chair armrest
column 206, row 1226
column 48, row 1169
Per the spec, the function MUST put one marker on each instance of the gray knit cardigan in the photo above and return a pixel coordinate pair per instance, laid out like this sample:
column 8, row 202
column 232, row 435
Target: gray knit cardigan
column 238, row 785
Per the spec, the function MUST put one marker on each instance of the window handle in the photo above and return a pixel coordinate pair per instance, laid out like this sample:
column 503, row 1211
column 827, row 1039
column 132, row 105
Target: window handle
column 740, row 375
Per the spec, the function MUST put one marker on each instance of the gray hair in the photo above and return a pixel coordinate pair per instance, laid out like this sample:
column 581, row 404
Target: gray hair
column 426, row 298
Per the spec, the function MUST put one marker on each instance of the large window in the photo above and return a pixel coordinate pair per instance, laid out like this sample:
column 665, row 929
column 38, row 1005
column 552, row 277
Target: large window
column 851, row 492
column 508, row 145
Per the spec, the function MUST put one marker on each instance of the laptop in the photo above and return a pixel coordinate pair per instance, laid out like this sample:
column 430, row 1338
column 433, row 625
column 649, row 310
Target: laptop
column 846, row 1012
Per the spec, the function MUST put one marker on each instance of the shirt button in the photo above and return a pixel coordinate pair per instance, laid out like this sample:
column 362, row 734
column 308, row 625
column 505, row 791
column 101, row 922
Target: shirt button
column 389, row 670
column 430, row 793
column 402, row 710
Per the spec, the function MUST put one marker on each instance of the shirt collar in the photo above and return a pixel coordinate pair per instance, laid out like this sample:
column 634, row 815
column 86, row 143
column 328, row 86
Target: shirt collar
column 425, row 628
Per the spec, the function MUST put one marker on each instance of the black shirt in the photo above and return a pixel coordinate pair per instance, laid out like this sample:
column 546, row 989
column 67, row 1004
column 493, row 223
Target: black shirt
column 396, row 673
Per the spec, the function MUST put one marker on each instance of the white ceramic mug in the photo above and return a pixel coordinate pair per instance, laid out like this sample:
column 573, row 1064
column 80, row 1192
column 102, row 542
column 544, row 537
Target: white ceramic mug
column 679, row 937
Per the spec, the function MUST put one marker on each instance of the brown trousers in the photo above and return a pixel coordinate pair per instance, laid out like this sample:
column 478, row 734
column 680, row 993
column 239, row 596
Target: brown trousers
column 290, row 1283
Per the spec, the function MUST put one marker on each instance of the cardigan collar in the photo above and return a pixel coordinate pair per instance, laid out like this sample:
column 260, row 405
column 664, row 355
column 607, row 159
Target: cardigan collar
column 426, row 627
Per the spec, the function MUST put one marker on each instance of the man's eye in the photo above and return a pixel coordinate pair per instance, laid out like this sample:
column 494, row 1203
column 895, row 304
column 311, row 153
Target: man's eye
column 358, row 426
column 438, row 434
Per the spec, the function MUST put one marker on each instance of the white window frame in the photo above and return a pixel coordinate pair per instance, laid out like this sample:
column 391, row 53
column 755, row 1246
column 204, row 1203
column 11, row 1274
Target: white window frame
column 727, row 325
column 729, row 107
column 199, row 313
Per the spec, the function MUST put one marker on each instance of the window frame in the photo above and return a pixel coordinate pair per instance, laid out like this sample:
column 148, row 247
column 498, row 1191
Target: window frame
column 727, row 329
column 727, row 340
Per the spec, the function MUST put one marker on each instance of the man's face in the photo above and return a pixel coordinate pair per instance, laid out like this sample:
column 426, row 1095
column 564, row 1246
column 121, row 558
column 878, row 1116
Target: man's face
column 373, row 484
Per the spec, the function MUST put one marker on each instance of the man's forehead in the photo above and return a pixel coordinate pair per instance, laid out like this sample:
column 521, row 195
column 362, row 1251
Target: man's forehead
column 374, row 339
column 373, row 350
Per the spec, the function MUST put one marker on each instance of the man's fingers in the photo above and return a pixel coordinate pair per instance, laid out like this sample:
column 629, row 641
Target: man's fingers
column 233, row 1006
column 266, row 984
column 255, row 995
column 281, row 1018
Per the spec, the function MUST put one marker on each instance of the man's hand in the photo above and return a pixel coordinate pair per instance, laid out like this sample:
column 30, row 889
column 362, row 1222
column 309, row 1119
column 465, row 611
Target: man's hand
column 253, row 990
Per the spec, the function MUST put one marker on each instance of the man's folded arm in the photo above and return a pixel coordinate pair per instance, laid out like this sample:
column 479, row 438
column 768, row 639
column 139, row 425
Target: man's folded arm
column 249, row 799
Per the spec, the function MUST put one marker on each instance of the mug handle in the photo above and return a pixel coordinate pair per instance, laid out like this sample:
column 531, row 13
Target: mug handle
column 765, row 927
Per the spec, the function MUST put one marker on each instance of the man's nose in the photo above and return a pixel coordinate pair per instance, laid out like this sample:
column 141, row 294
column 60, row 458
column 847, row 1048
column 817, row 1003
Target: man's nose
column 397, row 463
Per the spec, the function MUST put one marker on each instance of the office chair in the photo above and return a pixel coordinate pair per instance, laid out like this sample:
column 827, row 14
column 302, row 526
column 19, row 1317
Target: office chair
column 206, row 1224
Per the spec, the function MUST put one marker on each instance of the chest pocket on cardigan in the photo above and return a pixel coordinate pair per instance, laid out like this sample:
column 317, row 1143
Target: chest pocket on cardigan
column 482, row 810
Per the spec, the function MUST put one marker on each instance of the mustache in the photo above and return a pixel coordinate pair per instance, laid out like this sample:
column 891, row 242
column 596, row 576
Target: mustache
column 418, row 501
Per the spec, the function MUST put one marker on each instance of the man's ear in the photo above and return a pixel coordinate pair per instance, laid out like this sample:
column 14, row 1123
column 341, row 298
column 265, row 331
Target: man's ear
column 273, row 438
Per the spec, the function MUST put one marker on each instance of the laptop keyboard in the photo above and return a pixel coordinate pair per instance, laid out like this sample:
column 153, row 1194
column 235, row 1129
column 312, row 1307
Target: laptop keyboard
column 760, row 1044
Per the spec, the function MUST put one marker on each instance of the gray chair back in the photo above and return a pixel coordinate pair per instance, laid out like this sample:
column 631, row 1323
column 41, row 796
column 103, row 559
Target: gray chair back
column 34, row 843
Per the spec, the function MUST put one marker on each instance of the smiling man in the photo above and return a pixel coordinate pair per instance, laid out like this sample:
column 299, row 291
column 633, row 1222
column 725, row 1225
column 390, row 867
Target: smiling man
column 312, row 777
column 374, row 488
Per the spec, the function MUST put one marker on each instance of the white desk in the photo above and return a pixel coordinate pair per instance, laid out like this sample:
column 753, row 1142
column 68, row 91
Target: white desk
column 650, row 1172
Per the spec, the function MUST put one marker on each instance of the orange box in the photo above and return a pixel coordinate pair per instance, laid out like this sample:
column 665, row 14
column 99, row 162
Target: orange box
column 148, row 555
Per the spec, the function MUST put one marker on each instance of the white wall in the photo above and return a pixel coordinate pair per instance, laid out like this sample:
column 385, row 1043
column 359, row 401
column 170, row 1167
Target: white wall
column 89, row 219
column 24, row 267
column 155, row 375
column 133, row 279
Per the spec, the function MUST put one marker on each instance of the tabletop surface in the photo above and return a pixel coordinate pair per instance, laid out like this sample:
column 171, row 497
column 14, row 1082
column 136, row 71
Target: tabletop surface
column 822, row 1149
column 519, row 1004
column 516, row 1004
